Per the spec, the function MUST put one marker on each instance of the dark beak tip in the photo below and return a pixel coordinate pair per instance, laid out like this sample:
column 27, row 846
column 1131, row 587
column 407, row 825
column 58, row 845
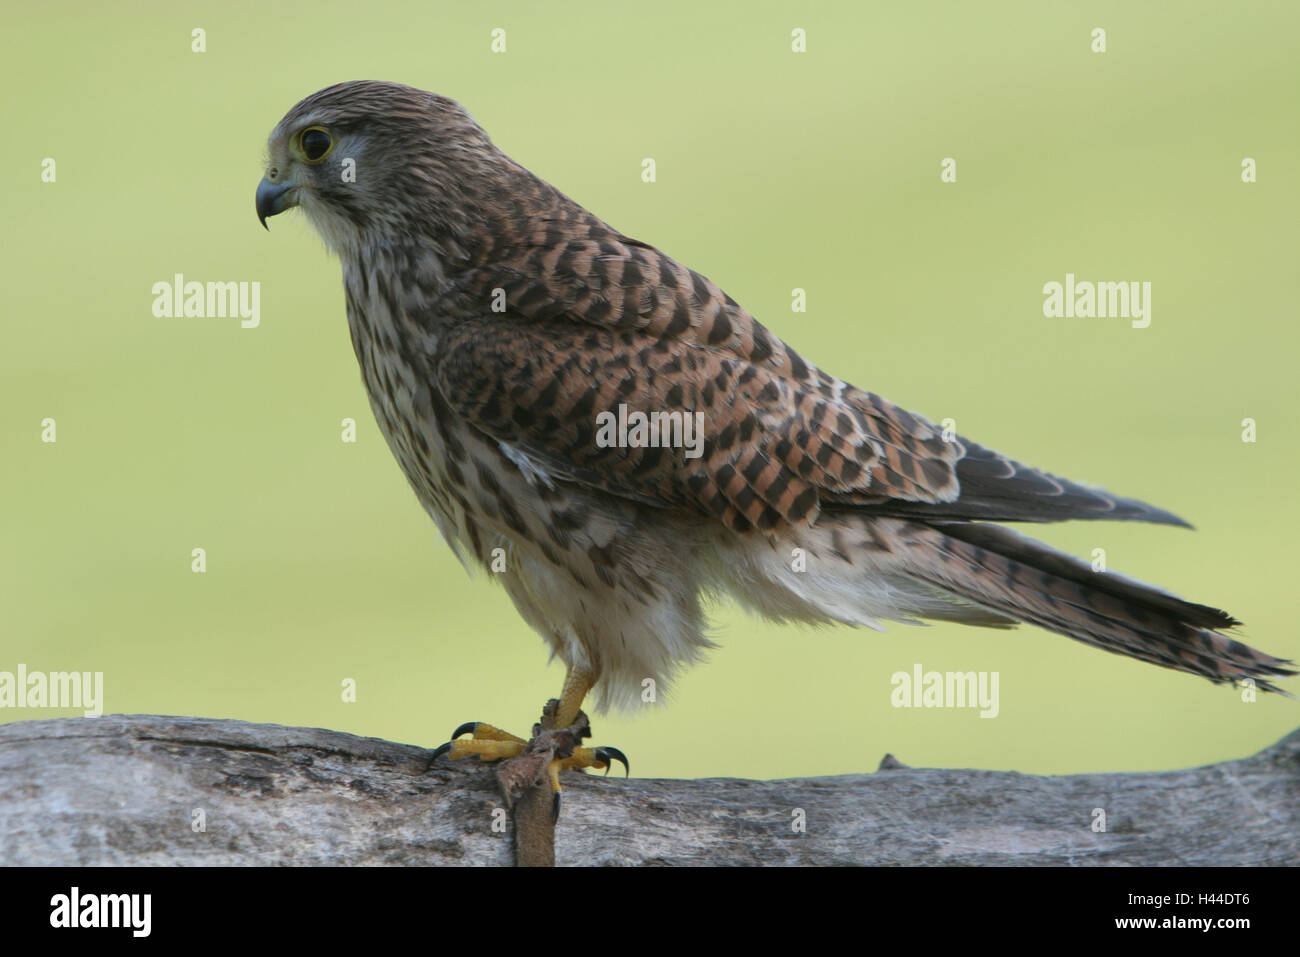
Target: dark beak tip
column 271, row 201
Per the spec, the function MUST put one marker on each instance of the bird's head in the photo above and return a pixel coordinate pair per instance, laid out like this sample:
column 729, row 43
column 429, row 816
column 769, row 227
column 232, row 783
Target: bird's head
column 379, row 162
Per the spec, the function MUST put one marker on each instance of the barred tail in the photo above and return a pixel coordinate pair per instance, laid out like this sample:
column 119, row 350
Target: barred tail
column 999, row 569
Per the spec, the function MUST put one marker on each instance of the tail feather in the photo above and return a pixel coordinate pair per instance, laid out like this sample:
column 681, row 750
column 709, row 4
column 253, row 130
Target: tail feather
column 1003, row 571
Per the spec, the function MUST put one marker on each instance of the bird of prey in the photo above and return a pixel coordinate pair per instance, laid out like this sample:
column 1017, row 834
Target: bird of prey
column 498, row 324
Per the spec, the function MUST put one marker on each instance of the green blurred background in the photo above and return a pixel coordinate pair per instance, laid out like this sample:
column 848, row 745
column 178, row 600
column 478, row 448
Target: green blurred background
column 775, row 170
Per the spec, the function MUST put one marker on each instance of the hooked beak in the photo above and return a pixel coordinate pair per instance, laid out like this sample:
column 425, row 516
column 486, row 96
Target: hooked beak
column 273, row 198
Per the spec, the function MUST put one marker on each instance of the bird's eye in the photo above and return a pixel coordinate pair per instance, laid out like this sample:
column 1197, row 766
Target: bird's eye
column 316, row 143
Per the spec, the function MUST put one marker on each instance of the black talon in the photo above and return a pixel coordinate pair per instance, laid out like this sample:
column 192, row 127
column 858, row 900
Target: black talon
column 433, row 758
column 466, row 728
column 555, row 808
column 610, row 755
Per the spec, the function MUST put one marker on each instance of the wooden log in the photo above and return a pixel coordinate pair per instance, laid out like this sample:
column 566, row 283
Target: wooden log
column 145, row 789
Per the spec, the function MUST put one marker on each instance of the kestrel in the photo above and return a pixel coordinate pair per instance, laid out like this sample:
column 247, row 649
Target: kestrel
column 499, row 326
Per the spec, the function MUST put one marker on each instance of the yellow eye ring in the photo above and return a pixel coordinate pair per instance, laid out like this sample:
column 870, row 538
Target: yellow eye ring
column 315, row 143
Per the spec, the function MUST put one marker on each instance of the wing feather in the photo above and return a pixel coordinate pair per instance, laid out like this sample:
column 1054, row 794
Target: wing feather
column 594, row 320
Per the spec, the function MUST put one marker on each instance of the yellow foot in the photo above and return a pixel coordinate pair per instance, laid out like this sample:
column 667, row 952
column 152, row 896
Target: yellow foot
column 582, row 759
column 545, row 756
column 488, row 742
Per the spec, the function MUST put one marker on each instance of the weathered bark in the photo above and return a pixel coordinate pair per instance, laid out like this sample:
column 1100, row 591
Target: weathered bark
column 125, row 790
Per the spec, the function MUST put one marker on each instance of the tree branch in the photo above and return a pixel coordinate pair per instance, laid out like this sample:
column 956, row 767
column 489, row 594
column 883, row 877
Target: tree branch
column 135, row 790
